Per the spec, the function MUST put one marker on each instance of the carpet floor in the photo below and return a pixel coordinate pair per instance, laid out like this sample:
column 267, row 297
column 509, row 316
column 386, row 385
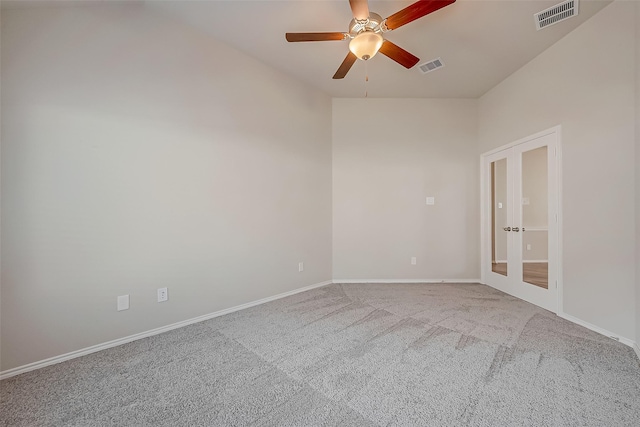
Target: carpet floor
column 347, row 355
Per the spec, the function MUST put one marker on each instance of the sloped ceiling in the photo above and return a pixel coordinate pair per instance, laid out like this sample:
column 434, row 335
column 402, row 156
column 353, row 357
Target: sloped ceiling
column 480, row 42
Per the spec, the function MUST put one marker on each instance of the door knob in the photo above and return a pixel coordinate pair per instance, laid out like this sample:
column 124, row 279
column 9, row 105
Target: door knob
column 507, row 229
column 516, row 229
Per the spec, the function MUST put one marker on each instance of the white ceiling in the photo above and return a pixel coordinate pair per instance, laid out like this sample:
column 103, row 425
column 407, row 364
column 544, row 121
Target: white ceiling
column 481, row 42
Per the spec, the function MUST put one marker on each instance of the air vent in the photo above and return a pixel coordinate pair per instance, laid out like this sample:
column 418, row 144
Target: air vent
column 555, row 14
column 430, row 66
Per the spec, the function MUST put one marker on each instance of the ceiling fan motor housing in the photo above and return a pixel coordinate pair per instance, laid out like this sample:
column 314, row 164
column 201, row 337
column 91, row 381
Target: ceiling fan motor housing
column 372, row 24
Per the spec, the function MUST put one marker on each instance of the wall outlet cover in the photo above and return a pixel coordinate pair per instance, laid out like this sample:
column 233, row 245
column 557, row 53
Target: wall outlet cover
column 163, row 294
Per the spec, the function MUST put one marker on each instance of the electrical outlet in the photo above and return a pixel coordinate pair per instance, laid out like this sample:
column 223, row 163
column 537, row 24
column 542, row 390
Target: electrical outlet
column 413, row 260
column 431, row 200
column 123, row 302
column 163, row 294
column 300, row 267
column 528, row 246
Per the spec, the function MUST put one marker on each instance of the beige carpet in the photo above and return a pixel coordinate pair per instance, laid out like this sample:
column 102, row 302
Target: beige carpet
column 348, row 355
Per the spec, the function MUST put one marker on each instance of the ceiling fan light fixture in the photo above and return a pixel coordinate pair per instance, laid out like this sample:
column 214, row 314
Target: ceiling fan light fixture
column 366, row 44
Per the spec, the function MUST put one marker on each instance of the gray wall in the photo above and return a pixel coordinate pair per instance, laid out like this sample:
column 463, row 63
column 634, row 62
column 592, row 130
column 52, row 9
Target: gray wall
column 137, row 154
column 389, row 155
column 586, row 83
column 638, row 178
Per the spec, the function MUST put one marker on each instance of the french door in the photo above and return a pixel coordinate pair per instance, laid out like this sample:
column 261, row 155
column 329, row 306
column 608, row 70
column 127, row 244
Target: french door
column 520, row 254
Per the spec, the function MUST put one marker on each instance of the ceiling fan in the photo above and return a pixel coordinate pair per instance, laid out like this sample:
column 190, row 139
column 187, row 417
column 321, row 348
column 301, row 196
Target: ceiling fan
column 366, row 33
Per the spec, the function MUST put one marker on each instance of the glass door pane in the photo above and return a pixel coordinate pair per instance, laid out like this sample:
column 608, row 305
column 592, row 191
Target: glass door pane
column 535, row 217
column 499, row 217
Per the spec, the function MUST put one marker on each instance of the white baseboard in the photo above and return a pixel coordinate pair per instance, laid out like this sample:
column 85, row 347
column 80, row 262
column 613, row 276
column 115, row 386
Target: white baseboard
column 95, row 348
column 623, row 340
column 98, row 347
column 406, row 281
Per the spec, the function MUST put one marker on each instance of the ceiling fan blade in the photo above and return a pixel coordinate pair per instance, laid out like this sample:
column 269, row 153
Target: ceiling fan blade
column 314, row 37
column 345, row 66
column 360, row 9
column 415, row 11
column 398, row 54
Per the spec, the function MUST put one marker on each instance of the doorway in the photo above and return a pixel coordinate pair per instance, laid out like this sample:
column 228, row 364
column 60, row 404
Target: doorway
column 520, row 219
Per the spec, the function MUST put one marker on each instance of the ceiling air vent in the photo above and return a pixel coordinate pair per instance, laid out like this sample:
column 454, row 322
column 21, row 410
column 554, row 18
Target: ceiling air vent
column 555, row 14
column 430, row 66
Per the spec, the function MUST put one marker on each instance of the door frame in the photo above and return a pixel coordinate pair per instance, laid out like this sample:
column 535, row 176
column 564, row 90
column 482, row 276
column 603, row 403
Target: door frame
column 485, row 210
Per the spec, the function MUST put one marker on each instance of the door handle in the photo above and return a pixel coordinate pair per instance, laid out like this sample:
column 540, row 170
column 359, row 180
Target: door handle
column 516, row 229
column 507, row 229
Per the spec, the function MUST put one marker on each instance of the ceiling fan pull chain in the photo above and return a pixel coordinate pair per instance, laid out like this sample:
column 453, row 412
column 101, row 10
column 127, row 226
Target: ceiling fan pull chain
column 366, row 79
